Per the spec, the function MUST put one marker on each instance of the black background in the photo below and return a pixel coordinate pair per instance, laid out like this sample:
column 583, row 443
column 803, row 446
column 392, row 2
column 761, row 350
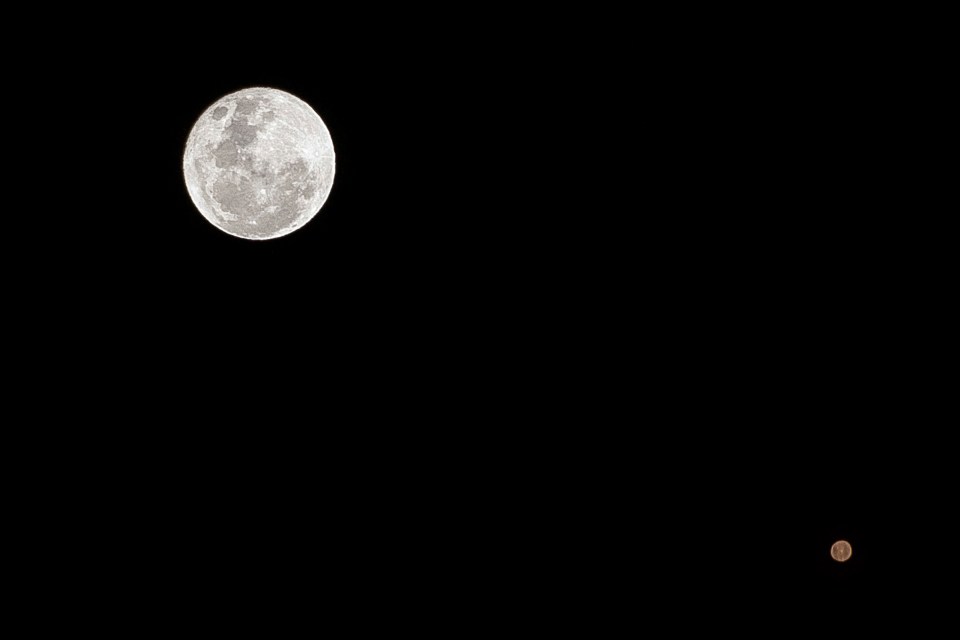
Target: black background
column 593, row 322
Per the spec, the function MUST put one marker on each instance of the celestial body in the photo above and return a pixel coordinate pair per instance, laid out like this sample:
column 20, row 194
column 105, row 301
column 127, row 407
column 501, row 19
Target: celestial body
column 259, row 163
column 841, row 551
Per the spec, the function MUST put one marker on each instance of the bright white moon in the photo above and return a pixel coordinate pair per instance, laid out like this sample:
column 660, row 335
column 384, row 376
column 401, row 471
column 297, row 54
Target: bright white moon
column 259, row 163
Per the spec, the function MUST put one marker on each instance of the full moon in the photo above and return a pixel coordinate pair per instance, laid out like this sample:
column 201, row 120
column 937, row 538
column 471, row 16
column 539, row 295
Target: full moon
column 259, row 163
column 841, row 551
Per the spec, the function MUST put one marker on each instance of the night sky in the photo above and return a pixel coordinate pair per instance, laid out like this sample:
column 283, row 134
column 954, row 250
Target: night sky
column 593, row 325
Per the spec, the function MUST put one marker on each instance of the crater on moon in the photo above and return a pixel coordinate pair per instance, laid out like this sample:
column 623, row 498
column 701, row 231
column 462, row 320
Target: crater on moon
column 259, row 163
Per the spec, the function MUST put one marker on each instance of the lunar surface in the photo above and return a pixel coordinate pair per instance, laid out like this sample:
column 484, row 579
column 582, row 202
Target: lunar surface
column 841, row 551
column 259, row 163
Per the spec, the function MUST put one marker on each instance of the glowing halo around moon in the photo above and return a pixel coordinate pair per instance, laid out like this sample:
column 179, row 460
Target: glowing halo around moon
column 259, row 163
column 841, row 551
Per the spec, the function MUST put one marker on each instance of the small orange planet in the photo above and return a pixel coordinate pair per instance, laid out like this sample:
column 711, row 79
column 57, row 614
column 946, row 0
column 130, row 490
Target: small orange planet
column 841, row 551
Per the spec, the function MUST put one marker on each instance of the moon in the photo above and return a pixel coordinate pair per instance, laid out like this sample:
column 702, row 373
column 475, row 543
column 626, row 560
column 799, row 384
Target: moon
column 259, row 163
column 841, row 551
